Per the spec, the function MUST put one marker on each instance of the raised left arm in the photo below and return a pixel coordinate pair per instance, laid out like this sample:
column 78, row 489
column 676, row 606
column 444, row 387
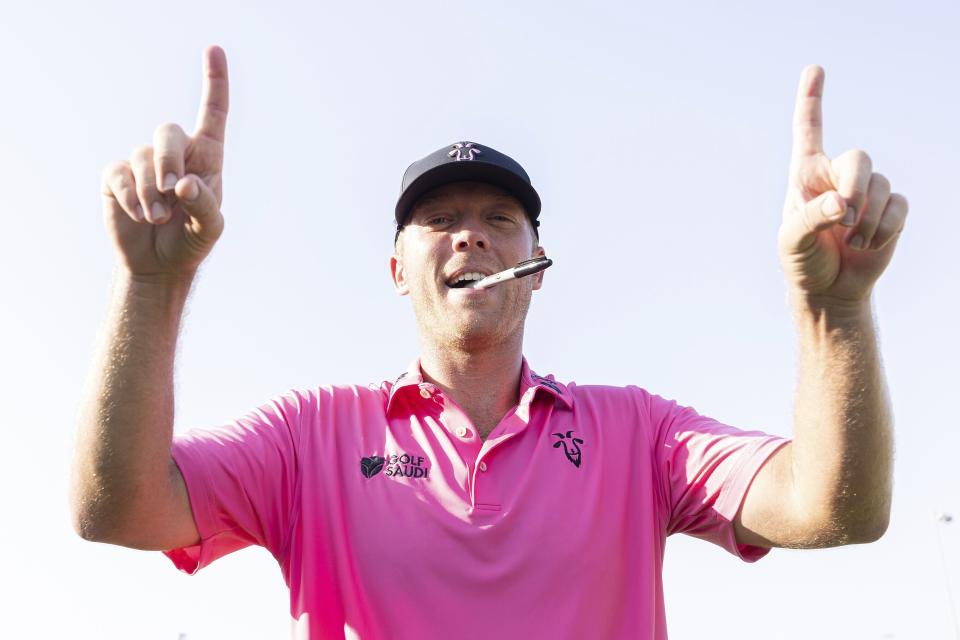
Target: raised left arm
column 832, row 485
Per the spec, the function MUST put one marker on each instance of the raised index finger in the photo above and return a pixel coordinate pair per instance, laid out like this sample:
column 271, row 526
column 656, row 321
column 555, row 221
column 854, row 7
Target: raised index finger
column 808, row 113
column 212, row 119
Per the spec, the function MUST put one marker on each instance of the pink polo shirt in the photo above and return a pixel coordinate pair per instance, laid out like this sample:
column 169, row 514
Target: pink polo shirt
column 390, row 518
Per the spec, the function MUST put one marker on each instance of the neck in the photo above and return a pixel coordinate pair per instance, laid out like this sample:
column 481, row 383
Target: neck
column 484, row 382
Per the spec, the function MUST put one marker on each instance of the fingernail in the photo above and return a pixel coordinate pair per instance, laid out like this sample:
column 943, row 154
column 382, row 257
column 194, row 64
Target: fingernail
column 159, row 212
column 169, row 181
column 831, row 207
column 139, row 213
column 857, row 242
column 851, row 218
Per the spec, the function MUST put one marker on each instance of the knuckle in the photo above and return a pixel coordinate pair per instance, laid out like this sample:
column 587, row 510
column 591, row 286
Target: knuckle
column 141, row 154
column 899, row 201
column 861, row 157
column 124, row 188
column 856, row 193
column 880, row 182
column 168, row 129
column 113, row 171
column 855, row 161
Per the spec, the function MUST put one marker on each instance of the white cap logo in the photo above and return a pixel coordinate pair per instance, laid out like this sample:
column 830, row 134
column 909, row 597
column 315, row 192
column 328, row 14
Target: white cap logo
column 464, row 151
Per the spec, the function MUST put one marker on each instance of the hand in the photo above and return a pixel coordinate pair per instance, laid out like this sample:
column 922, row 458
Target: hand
column 840, row 221
column 162, row 207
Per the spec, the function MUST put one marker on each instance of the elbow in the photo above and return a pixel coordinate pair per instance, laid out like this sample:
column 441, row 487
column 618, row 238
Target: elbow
column 94, row 527
column 92, row 516
column 85, row 528
column 869, row 521
column 96, row 504
column 849, row 518
column 863, row 530
column 841, row 529
column 84, row 520
column 870, row 530
column 80, row 500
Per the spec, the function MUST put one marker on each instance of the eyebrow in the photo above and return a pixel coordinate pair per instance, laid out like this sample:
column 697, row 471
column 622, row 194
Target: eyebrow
column 426, row 201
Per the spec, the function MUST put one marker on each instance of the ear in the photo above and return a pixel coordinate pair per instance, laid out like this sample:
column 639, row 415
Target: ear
column 538, row 277
column 399, row 275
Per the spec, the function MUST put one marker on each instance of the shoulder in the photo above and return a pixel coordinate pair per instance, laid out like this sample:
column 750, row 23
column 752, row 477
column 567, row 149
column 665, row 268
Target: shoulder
column 631, row 410
column 608, row 408
column 606, row 401
column 325, row 399
column 610, row 397
column 629, row 398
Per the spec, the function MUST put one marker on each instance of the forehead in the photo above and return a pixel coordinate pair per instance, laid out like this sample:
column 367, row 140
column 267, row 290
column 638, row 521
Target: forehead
column 465, row 191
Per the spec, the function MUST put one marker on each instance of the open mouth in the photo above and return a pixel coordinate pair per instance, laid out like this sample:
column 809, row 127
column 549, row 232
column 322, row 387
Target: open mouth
column 465, row 280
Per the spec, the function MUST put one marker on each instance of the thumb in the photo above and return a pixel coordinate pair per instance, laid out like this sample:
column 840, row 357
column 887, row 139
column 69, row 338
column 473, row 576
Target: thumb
column 818, row 214
column 200, row 203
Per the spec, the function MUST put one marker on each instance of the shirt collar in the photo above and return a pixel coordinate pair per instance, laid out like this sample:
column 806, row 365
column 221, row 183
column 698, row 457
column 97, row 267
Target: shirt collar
column 529, row 379
column 413, row 377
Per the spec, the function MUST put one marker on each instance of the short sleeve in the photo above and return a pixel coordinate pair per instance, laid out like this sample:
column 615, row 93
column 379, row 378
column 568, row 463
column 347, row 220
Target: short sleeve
column 241, row 479
column 706, row 468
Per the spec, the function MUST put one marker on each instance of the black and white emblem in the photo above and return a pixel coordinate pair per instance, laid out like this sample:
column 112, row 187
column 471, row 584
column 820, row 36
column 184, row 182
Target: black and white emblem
column 573, row 451
column 464, row 151
column 371, row 466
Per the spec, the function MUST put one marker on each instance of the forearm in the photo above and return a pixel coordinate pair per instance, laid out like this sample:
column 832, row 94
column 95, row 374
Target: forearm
column 126, row 421
column 843, row 432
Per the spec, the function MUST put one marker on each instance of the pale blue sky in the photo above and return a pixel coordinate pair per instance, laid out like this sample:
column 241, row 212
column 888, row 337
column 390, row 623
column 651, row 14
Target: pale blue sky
column 657, row 136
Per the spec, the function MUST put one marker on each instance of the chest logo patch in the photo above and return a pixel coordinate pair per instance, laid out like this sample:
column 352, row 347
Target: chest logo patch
column 396, row 464
column 371, row 466
column 571, row 446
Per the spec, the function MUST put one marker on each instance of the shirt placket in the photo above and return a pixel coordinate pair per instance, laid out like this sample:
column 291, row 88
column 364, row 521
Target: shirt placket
column 477, row 454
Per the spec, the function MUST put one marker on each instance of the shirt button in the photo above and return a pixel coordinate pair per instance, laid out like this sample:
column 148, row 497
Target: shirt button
column 483, row 466
column 462, row 432
column 424, row 392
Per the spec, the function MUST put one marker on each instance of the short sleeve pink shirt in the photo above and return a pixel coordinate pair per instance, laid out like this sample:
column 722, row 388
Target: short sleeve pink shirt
column 391, row 518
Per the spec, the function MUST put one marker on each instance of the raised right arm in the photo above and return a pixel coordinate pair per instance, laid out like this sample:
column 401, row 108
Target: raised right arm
column 162, row 212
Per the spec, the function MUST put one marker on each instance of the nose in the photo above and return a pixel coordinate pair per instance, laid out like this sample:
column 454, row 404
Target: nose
column 469, row 237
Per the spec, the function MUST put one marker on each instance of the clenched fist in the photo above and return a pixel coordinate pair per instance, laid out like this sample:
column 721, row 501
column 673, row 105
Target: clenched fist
column 840, row 221
column 162, row 207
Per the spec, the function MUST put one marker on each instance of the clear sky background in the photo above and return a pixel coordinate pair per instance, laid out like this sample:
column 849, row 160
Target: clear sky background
column 658, row 137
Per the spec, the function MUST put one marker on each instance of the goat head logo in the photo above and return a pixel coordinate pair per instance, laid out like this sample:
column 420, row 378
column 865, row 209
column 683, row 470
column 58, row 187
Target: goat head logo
column 572, row 456
column 464, row 151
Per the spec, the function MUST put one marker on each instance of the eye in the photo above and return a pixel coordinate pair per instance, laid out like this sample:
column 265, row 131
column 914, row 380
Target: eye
column 437, row 219
column 505, row 218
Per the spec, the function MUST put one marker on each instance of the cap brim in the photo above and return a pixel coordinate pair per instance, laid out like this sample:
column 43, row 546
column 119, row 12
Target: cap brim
column 473, row 171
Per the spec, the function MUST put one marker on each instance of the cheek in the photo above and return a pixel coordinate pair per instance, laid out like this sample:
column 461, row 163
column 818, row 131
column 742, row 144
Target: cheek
column 420, row 278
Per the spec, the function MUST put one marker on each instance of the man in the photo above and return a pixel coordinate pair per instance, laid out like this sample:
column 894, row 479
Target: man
column 472, row 497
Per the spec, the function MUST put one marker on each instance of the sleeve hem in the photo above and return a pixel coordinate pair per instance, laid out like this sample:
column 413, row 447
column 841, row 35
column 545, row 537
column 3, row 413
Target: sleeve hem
column 191, row 559
column 732, row 500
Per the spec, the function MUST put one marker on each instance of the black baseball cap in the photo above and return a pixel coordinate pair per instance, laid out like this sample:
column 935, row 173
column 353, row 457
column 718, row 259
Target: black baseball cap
column 466, row 161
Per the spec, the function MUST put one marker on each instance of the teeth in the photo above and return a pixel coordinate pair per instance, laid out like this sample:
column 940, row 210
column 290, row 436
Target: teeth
column 473, row 275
